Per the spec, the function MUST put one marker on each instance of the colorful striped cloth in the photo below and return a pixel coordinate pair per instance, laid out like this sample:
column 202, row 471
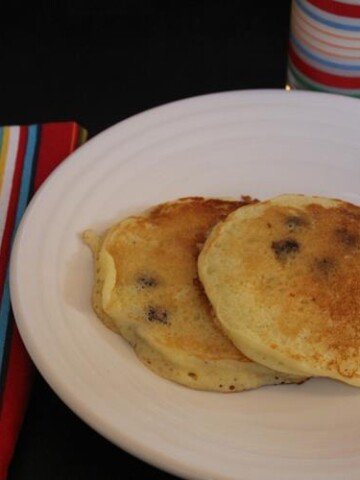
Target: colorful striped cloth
column 28, row 154
column 324, row 48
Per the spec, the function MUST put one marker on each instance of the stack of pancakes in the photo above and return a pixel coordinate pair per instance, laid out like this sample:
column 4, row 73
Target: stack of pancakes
column 230, row 295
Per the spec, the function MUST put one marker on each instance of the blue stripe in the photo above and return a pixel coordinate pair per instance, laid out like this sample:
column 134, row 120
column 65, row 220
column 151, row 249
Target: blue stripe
column 27, row 173
column 25, row 191
column 326, row 63
column 325, row 21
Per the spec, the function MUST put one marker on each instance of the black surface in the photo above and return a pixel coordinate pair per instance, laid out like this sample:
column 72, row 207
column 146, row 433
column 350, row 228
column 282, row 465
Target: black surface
column 97, row 65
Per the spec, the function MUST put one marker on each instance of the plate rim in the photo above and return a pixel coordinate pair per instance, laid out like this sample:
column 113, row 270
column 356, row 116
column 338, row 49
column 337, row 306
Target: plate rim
column 78, row 406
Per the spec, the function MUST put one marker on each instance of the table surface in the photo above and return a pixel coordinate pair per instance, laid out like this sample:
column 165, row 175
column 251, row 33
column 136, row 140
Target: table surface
column 98, row 63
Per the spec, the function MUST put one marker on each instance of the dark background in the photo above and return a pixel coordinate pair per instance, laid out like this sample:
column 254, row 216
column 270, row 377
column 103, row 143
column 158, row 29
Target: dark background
column 98, row 63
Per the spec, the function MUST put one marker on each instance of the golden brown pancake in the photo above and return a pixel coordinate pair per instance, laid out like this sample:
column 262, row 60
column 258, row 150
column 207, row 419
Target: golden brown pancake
column 284, row 279
column 147, row 289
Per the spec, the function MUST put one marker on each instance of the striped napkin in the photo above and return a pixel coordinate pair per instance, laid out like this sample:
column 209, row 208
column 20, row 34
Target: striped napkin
column 28, row 154
column 324, row 49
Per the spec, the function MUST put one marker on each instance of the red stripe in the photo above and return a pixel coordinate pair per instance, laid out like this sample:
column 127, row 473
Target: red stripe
column 314, row 26
column 322, row 77
column 11, row 212
column 57, row 141
column 337, row 8
column 16, row 393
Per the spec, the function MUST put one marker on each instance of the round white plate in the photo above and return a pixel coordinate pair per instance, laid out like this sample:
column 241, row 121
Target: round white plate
column 260, row 143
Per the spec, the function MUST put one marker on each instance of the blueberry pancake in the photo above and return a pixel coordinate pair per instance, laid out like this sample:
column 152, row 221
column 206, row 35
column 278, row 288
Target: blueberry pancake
column 283, row 277
column 147, row 289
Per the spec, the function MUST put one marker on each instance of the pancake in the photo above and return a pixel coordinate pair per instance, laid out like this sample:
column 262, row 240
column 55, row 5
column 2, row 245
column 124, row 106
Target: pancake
column 283, row 277
column 147, row 289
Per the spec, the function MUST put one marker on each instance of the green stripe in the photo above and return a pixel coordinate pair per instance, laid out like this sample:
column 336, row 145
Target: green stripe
column 303, row 81
column 307, row 84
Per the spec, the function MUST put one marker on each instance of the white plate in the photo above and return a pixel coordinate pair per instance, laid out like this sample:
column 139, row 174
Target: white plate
column 260, row 143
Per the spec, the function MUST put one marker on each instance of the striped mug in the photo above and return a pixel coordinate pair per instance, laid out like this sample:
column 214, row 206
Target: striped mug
column 324, row 47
